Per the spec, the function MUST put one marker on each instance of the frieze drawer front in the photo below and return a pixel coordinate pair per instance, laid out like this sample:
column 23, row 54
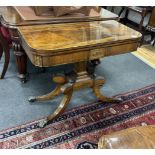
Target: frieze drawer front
column 97, row 53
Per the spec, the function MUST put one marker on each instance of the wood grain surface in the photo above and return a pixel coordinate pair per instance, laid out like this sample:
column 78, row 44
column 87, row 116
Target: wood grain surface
column 142, row 137
column 55, row 44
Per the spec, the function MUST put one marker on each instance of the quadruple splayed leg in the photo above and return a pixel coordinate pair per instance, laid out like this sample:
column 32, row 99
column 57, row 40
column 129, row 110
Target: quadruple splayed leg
column 66, row 84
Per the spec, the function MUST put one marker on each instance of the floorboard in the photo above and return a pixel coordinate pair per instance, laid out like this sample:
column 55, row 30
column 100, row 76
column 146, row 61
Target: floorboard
column 146, row 53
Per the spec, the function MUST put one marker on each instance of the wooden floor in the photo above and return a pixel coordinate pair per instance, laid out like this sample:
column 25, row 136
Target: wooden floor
column 146, row 53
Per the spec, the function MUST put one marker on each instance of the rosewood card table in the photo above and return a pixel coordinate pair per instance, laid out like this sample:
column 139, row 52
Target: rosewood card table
column 76, row 43
column 11, row 19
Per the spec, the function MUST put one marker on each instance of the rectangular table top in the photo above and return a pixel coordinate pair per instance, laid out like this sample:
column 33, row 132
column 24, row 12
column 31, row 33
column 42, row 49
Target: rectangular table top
column 72, row 36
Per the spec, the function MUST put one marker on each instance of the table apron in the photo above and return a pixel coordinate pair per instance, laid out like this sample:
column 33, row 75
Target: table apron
column 78, row 56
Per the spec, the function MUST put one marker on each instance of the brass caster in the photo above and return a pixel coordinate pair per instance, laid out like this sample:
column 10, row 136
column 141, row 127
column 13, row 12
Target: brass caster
column 118, row 99
column 115, row 100
column 32, row 99
column 42, row 124
column 24, row 80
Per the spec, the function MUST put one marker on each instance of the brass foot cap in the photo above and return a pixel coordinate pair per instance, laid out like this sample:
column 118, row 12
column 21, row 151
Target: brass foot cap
column 32, row 99
column 42, row 124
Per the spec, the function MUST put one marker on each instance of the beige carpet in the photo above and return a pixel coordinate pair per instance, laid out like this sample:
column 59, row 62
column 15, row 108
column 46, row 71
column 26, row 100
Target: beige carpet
column 146, row 53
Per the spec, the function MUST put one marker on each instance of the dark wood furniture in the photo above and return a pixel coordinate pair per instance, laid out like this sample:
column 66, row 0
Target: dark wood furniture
column 4, row 48
column 11, row 20
column 142, row 11
column 141, row 137
column 77, row 43
column 151, row 26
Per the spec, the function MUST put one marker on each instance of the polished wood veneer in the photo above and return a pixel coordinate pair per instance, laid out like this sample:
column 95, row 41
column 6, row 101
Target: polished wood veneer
column 141, row 137
column 11, row 18
column 56, row 44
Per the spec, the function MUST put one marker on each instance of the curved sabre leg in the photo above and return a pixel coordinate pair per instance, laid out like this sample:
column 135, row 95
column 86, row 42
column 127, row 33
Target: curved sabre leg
column 48, row 96
column 96, row 90
column 63, row 104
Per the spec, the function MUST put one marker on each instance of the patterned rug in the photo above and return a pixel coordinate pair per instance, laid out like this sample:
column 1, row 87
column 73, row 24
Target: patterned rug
column 81, row 127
